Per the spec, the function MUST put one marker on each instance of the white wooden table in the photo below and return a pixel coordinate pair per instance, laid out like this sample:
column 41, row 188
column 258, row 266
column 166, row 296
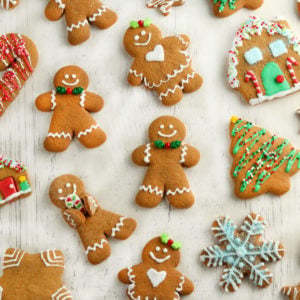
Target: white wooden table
column 34, row 223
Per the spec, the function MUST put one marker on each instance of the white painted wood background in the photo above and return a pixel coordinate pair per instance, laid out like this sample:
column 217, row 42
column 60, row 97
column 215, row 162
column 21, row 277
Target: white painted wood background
column 34, row 223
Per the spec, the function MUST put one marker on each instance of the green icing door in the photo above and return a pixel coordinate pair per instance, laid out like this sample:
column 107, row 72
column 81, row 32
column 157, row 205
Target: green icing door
column 273, row 79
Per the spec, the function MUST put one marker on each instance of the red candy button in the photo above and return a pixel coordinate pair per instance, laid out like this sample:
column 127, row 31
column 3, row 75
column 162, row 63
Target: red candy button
column 141, row 23
column 69, row 91
column 168, row 145
column 280, row 78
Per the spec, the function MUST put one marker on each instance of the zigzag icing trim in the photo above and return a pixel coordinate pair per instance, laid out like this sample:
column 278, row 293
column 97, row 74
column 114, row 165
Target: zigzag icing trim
column 56, row 261
column 82, row 99
column 78, row 25
column 178, row 191
column 151, row 190
column 180, row 287
column 61, row 294
column 13, row 260
column 60, row 135
column 134, row 72
column 53, row 98
column 70, row 220
column 288, row 290
column 183, row 42
column 183, row 153
column 131, row 287
column 99, row 13
column 93, row 200
column 118, row 226
column 180, row 86
column 95, row 246
column 6, row 4
column 148, row 154
column 60, row 4
column 87, row 131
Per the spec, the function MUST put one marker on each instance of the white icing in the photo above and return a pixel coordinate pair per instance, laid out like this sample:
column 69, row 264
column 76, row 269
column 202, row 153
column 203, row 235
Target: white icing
column 148, row 154
column 162, row 126
column 145, row 43
column 165, row 250
column 70, row 220
column 95, row 246
column 156, row 277
column 178, row 191
column 70, row 83
column 87, row 131
column 159, row 260
column 60, row 4
column 136, row 37
column 164, row 5
column 62, row 294
column 118, row 226
column 78, row 25
column 180, row 287
column 60, row 135
column 1, row 291
column 68, row 184
column 56, row 261
column 134, row 72
column 67, row 76
column 13, row 260
column 99, row 13
column 151, row 190
column 94, row 202
column 131, row 287
column 167, row 135
column 74, row 76
column 157, row 249
column 158, row 54
column 183, row 153
column 53, row 98
column 171, row 126
column 59, row 191
column 6, row 3
column 143, row 32
column 15, row 195
column 82, row 99
column 183, row 42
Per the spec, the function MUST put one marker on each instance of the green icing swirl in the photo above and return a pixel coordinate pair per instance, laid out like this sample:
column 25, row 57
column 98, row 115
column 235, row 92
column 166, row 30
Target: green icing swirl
column 231, row 4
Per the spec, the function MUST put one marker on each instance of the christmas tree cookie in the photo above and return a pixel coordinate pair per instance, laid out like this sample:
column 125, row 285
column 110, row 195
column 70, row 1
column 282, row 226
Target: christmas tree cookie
column 262, row 162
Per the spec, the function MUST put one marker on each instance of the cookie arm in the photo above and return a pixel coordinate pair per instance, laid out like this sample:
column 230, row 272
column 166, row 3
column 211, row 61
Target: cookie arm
column 91, row 102
column 123, row 276
column 54, row 10
column 186, row 286
column 190, row 156
column 73, row 217
column 134, row 77
column 141, row 155
column 182, row 41
column 46, row 102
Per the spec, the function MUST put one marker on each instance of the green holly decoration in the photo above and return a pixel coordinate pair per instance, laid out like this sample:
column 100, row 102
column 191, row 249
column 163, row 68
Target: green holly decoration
column 77, row 91
column 134, row 24
column 159, row 144
column 176, row 245
column 24, row 185
column 147, row 22
column 61, row 90
column 175, row 144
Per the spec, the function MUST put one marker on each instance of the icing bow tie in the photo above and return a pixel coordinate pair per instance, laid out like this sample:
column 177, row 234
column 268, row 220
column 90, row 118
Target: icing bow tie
column 173, row 145
column 73, row 200
column 140, row 23
column 62, row 90
column 165, row 239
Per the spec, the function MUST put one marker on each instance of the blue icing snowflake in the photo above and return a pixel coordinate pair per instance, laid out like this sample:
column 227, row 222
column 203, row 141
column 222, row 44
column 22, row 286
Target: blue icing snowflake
column 242, row 252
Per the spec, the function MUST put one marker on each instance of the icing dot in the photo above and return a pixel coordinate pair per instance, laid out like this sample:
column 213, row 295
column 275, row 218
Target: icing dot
column 67, row 76
column 11, row 186
column 171, row 126
column 230, row 260
column 143, row 32
column 136, row 37
column 161, row 126
column 157, row 249
column 238, row 240
column 241, row 265
column 228, row 247
column 252, row 258
column 165, row 250
column 74, row 76
column 251, row 246
column 59, row 191
column 68, row 184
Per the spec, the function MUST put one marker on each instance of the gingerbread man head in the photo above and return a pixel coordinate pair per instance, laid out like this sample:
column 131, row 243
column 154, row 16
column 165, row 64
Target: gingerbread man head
column 167, row 129
column 70, row 78
column 163, row 251
column 141, row 37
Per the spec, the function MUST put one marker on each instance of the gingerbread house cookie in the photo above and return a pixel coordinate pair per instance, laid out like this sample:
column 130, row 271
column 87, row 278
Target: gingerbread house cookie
column 14, row 182
column 264, row 60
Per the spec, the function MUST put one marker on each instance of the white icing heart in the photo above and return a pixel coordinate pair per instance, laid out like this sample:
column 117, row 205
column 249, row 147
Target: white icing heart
column 156, row 277
column 158, row 54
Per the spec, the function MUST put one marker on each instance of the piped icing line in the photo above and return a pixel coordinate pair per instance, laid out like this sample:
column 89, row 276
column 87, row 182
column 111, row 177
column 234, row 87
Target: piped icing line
column 82, row 98
column 290, row 290
column 99, row 13
column 70, row 220
column 15, row 195
column 135, row 73
column 60, row 4
column 78, row 25
column 13, row 260
column 151, row 190
column 181, row 39
column 6, row 162
column 6, row 3
column 164, row 5
column 290, row 62
column 118, row 226
column 60, row 135
column 62, row 294
column 178, row 191
column 250, row 28
column 147, row 153
column 87, row 131
column 56, row 261
column 93, row 200
column 53, row 98
column 95, row 246
column 183, row 153
column 250, row 76
column 180, row 287
column 1, row 291
column 131, row 287
column 222, row 4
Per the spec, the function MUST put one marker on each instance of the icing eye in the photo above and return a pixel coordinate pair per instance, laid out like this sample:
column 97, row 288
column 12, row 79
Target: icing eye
column 136, row 37
column 143, row 32
column 59, row 191
column 171, row 126
column 253, row 56
column 74, row 76
column 165, row 250
column 162, row 126
column 278, row 48
column 67, row 76
column 68, row 185
column 157, row 249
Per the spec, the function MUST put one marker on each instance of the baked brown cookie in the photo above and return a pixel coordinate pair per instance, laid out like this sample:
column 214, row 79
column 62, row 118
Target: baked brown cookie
column 264, row 60
column 225, row 8
column 293, row 292
column 33, row 276
column 9, row 4
column 71, row 104
column 262, row 162
column 166, row 154
column 79, row 15
column 162, row 64
column 164, row 5
column 242, row 252
column 14, row 181
column 82, row 212
column 157, row 277
column 18, row 58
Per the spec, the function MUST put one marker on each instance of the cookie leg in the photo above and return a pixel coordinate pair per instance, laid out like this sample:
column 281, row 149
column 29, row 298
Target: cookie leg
column 102, row 17
column 78, row 28
column 91, row 135
column 97, row 250
column 170, row 96
column 191, row 82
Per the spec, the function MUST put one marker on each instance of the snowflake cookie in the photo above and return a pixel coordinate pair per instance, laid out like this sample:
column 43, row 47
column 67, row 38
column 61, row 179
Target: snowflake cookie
column 164, row 5
column 157, row 277
column 293, row 292
column 33, row 276
column 242, row 252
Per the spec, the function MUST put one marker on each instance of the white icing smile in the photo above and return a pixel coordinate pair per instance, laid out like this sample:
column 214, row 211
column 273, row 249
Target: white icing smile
column 167, row 135
column 146, row 43
column 70, row 83
column 159, row 260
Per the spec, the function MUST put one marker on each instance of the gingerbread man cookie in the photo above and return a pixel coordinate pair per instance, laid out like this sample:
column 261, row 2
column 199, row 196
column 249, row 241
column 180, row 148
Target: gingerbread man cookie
column 9, row 4
column 225, row 8
column 293, row 292
column 164, row 5
column 79, row 15
column 33, row 276
column 71, row 104
column 166, row 155
column 82, row 212
column 162, row 64
column 18, row 57
column 157, row 277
